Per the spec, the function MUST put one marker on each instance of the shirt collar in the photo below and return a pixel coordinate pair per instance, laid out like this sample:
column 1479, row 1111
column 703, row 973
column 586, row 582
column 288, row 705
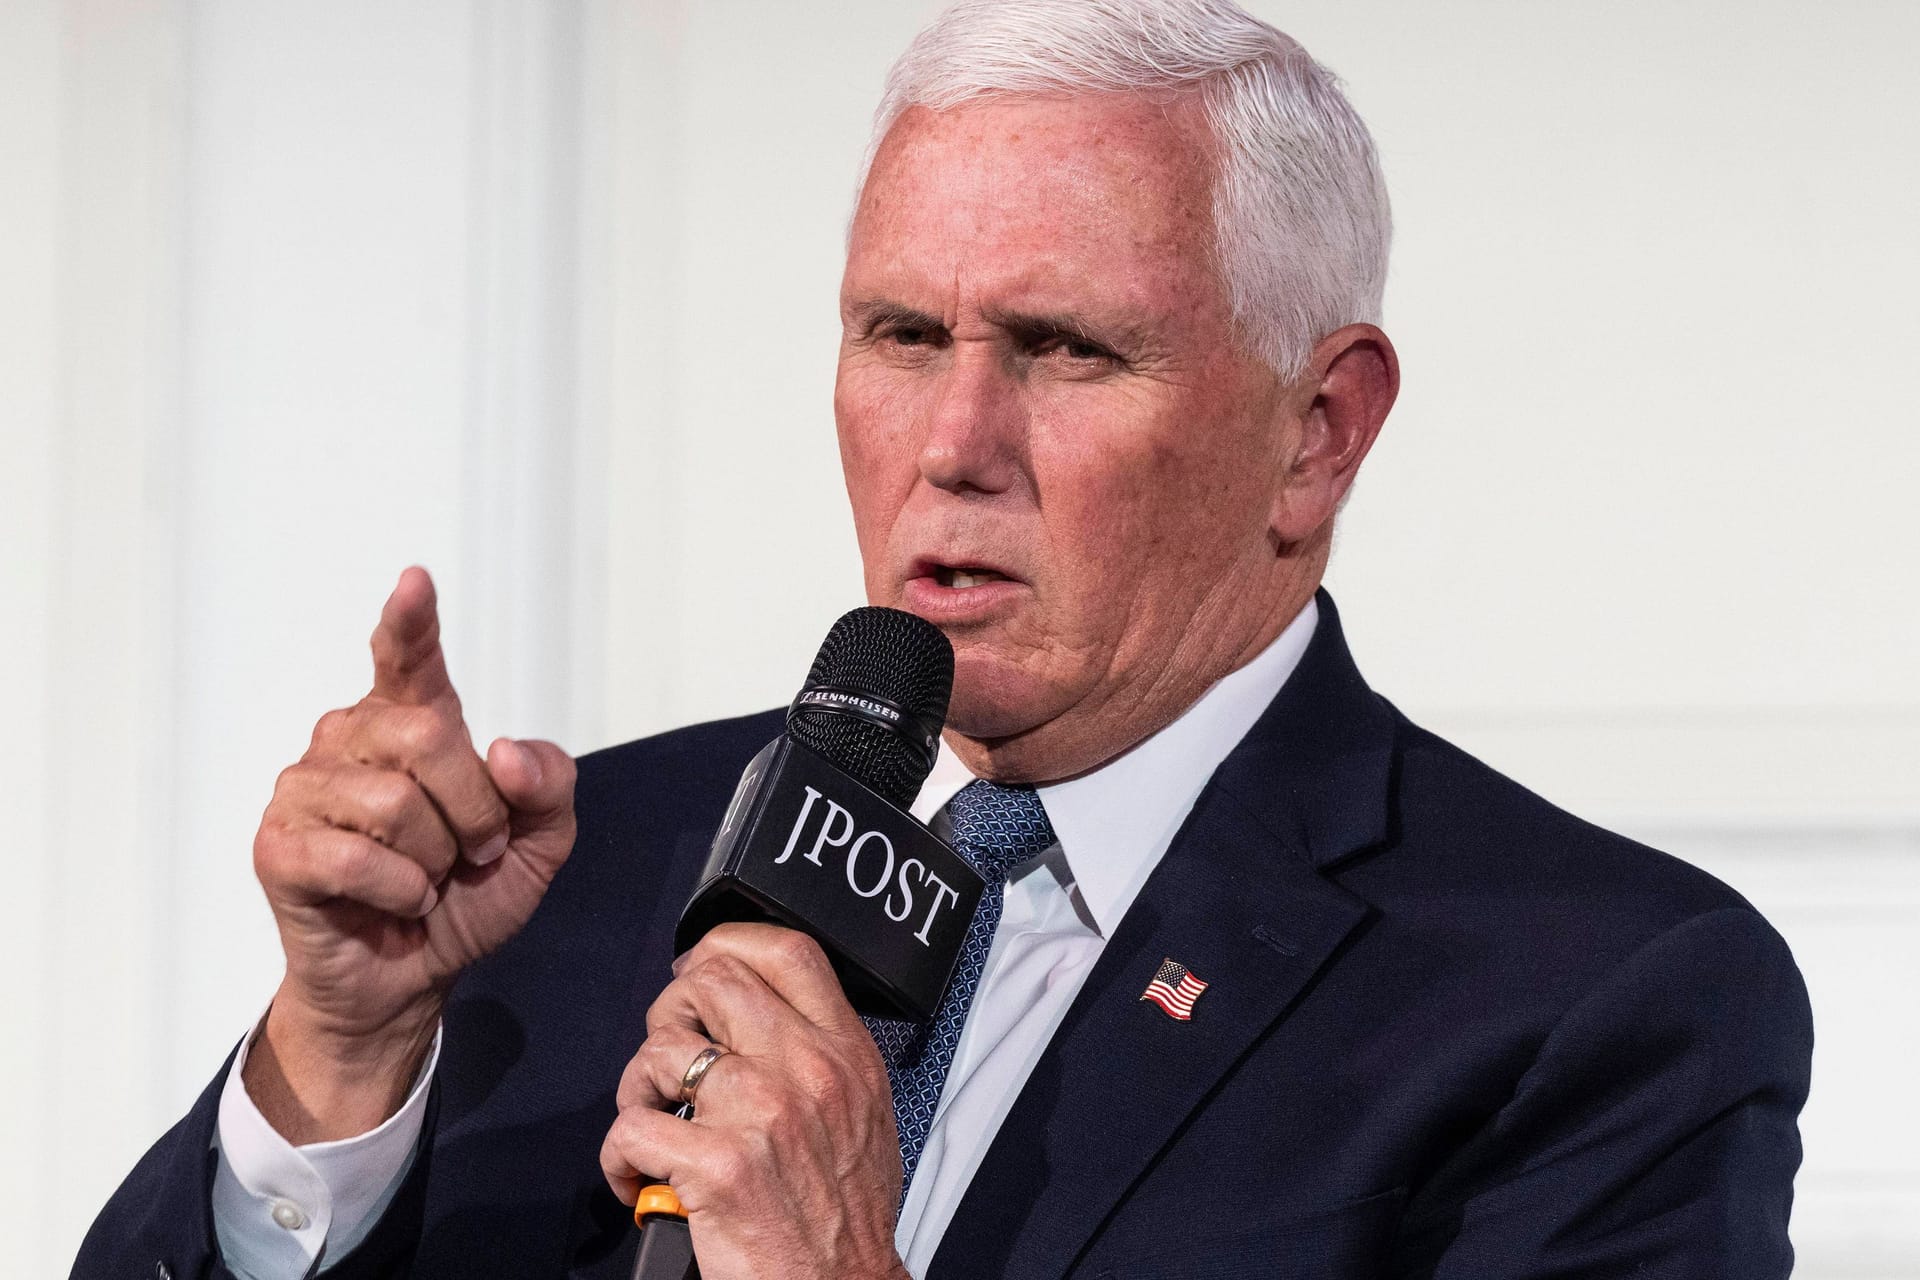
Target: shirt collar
column 1115, row 823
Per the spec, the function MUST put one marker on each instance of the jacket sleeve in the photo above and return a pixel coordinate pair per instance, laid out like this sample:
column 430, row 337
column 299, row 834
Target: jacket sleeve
column 1655, row 1134
column 159, row 1223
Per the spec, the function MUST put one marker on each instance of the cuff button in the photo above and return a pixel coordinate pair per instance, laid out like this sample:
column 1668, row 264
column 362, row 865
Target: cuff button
column 288, row 1214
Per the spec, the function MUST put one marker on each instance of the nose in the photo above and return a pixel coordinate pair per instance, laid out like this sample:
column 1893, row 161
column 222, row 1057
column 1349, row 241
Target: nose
column 975, row 437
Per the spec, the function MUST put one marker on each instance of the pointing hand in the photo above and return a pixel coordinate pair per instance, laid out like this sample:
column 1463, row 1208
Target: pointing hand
column 393, row 856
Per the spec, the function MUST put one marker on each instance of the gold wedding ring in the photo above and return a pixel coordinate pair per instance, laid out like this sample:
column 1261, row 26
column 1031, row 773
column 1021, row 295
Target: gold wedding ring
column 698, row 1071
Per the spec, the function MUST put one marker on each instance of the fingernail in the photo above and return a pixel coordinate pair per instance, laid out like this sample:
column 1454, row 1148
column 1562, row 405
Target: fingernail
column 429, row 902
column 489, row 851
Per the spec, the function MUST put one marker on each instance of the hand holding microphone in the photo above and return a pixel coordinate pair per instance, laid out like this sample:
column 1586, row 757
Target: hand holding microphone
column 791, row 1166
column 821, row 894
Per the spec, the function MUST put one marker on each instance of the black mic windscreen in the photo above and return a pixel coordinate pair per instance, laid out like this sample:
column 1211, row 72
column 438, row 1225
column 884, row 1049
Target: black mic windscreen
column 876, row 698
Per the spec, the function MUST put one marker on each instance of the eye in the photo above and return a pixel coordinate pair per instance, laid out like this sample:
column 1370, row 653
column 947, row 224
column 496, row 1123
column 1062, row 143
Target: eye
column 1074, row 349
column 910, row 335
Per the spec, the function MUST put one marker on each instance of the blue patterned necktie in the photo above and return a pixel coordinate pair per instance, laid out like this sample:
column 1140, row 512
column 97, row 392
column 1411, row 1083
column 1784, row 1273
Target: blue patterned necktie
column 995, row 829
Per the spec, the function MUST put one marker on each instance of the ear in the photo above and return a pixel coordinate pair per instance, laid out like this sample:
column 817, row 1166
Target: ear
column 1350, row 383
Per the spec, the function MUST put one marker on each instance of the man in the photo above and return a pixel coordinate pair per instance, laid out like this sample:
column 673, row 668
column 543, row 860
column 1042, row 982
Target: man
column 1110, row 364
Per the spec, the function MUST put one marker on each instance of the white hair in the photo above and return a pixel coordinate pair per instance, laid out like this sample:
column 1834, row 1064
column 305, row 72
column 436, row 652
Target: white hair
column 1300, row 218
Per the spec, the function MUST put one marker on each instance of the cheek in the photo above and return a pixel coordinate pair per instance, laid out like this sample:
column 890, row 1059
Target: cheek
column 873, row 416
column 1102, row 517
column 1117, row 483
column 1150, row 511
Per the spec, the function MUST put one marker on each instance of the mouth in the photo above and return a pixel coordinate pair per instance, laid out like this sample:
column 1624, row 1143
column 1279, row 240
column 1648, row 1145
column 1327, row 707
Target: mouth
column 964, row 578
column 960, row 572
column 960, row 591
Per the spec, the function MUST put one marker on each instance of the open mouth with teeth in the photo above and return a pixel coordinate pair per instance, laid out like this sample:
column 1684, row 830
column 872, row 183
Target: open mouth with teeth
column 962, row 592
column 962, row 578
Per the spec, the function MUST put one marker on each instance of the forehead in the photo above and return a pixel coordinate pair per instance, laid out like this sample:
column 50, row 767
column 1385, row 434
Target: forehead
column 1107, row 192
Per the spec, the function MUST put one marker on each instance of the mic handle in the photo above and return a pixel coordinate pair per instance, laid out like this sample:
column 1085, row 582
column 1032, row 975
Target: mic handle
column 807, row 845
column 666, row 1242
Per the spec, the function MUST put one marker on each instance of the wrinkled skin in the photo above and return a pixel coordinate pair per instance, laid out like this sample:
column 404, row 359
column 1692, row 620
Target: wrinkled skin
column 1039, row 376
column 791, row 1165
column 1040, row 386
column 393, row 856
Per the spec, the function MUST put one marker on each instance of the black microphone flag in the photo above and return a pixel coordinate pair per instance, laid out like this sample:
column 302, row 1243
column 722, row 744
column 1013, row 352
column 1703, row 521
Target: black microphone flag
column 817, row 837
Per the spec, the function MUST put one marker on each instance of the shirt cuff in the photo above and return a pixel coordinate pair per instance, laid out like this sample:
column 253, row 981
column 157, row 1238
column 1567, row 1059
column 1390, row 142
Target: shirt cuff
column 278, row 1208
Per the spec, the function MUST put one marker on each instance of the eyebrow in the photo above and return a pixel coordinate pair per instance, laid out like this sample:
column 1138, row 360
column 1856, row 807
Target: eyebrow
column 1055, row 325
column 1119, row 332
column 870, row 315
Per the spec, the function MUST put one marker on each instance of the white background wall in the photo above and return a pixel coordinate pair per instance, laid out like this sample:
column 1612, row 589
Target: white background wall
column 541, row 294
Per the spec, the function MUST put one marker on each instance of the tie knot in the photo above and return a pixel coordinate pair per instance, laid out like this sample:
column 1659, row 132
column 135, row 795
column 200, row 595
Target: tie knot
column 996, row 828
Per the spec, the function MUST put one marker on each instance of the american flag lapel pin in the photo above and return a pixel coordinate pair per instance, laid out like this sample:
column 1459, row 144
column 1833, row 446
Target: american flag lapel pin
column 1174, row 989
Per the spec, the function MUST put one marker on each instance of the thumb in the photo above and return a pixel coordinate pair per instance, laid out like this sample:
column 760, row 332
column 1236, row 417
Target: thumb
column 535, row 778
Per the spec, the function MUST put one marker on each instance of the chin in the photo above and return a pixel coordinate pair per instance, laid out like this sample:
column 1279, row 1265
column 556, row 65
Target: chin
column 995, row 699
column 988, row 719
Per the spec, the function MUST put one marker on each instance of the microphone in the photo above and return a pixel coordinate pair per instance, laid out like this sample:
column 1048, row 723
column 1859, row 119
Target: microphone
column 817, row 838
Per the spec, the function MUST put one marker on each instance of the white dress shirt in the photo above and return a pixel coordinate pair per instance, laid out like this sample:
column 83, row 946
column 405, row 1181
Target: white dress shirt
column 274, row 1204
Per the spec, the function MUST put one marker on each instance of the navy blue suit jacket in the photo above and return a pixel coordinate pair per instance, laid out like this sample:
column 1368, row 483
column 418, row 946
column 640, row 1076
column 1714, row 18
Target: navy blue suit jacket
column 1451, row 1032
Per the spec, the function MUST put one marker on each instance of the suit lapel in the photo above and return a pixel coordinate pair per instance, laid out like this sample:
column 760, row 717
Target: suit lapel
column 1240, row 900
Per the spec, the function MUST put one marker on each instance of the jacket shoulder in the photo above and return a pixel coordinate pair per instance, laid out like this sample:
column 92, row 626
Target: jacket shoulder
column 1476, row 824
column 1636, row 1036
column 1492, row 879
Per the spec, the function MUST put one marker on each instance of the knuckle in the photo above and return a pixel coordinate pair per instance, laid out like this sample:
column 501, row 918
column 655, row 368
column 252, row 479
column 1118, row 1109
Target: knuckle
column 270, row 852
column 332, row 729
column 423, row 731
column 613, row 1159
column 698, row 954
column 656, row 1016
column 763, row 1146
column 388, row 795
column 654, row 1063
column 872, row 1071
column 635, row 1081
column 730, row 1160
column 718, row 976
column 672, row 1009
column 796, row 951
column 816, row 1078
column 291, row 864
column 775, row 1104
column 289, row 782
column 723, row 937
column 495, row 816
column 344, row 868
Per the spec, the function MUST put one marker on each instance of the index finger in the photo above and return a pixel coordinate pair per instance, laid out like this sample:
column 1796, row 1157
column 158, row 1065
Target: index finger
column 408, row 665
column 788, row 961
